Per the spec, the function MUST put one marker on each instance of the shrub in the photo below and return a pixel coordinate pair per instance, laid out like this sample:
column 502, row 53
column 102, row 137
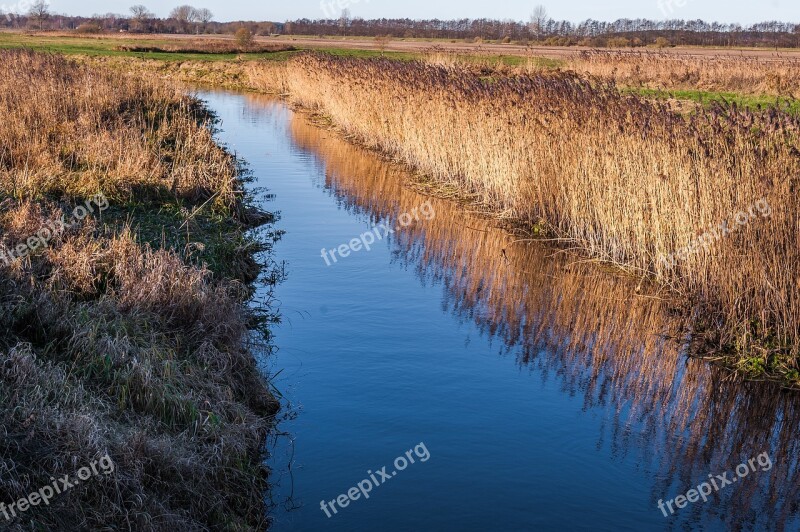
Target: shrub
column 244, row 37
column 618, row 42
column 89, row 27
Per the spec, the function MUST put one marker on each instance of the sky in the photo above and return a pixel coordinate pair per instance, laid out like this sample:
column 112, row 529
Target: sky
column 743, row 11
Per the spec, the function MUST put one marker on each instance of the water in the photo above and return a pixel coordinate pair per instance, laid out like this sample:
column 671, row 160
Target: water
column 547, row 393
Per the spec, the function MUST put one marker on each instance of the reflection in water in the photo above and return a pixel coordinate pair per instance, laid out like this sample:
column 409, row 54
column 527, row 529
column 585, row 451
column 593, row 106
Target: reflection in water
column 594, row 332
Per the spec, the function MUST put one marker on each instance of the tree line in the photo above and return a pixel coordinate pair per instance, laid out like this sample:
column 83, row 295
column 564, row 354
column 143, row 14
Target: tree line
column 539, row 29
column 544, row 30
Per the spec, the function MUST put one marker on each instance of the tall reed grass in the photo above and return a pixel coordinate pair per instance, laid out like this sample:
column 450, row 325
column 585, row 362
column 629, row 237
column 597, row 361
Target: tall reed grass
column 624, row 179
column 78, row 130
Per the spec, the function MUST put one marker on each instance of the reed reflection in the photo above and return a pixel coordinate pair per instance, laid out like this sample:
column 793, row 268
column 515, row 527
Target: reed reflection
column 620, row 345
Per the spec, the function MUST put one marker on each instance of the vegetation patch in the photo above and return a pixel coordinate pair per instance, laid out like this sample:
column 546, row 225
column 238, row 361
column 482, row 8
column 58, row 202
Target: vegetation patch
column 709, row 99
column 208, row 47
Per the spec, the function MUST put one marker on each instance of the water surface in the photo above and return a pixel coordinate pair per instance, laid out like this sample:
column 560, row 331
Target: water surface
column 550, row 394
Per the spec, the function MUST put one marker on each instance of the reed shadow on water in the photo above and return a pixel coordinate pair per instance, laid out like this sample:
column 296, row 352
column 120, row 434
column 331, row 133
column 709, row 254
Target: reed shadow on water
column 602, row 336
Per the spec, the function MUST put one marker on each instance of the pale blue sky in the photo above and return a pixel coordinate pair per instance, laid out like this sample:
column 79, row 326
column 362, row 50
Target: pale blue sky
column 744, row 11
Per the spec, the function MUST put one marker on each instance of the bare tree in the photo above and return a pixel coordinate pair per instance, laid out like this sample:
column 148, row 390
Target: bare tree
column 539, row 19
column 184, row 15
column 204, row 16
column 140, row 17
column 344, row 21
column 383, row 42
column 140, row 12
column 40, row 11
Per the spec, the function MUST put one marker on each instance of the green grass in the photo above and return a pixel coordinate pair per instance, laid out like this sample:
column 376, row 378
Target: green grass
column 105, row 46
column 707, row 99
column 99, row 46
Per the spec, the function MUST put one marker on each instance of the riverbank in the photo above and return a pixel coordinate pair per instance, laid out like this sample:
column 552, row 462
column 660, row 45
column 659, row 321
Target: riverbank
column 128, row 339
column 669, row 197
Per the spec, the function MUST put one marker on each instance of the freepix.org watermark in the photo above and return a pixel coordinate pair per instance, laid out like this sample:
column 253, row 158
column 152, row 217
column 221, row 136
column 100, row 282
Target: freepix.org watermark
column 761, row 208
column 20, row 8
column 373, row 480
column 667, row 7
column 105, row 466
column 43, row 236
column 329, row 7
column 717, row 482
column 378, row 233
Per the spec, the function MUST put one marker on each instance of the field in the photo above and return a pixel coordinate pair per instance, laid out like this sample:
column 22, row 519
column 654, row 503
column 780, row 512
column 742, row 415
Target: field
column 689, row 75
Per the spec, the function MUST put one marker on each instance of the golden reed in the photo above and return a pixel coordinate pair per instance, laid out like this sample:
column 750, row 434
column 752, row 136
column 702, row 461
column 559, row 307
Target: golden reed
column 625, row 179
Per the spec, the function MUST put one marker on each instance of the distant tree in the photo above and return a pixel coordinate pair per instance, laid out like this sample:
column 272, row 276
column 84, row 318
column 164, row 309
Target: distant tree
column 539, row 21
column 39, row 12
column 344, row 21
column 184, row 15
column 244, row 37
column 140, row 17
column 383, row 41
column 140, row 12
column 204, row 16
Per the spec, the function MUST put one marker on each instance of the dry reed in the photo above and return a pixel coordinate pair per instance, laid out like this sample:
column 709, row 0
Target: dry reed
column 625, row 179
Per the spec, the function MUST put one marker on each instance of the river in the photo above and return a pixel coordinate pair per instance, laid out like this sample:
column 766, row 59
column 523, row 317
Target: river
column 532, row 390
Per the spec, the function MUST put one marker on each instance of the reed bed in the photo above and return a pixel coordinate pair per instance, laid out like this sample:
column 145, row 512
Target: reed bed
column 114, row 343
column 590, row 330
column 776, row 76
column 586, row 328
column 626, row 180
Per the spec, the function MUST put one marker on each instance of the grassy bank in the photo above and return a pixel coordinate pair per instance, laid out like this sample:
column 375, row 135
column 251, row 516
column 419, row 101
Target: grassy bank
column 624, row 179
column 126, row 329
column 776, row 76
column 219, row 61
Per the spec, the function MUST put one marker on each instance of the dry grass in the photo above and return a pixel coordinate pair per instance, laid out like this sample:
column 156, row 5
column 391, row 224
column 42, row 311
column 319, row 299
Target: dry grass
column 776, row 76
column 624, row 179
column 77, row 131
column 111, row 345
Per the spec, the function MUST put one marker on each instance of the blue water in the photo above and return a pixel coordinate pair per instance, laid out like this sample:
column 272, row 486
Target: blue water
column 545, row 392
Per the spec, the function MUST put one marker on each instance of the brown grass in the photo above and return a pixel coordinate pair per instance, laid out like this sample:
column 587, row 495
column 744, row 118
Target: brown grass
column 110, row 344
column 77, row 131
column 624, row 179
